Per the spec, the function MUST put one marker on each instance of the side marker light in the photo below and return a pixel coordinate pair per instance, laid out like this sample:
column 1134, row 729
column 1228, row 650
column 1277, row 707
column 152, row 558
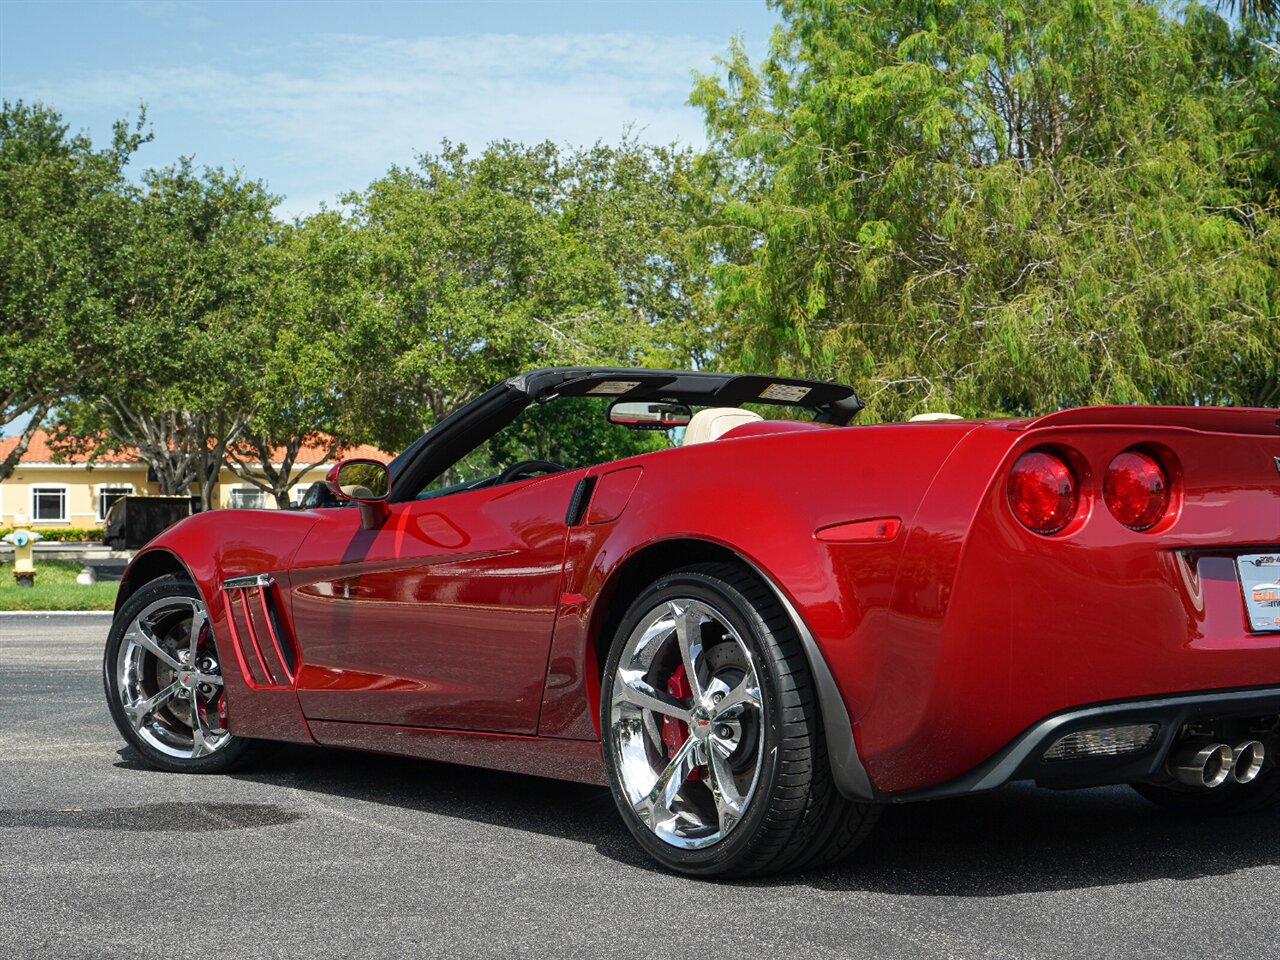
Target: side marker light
column 861, row 531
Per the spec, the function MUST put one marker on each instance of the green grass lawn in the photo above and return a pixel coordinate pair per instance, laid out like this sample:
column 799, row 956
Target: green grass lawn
column 55, row 589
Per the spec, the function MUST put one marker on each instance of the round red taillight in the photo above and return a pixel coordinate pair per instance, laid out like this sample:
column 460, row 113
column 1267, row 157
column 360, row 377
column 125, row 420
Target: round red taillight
column 1042, row 492
column 1136, row 490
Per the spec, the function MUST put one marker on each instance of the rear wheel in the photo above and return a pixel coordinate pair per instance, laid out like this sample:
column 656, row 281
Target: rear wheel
column 714, row 745
column 164, row 684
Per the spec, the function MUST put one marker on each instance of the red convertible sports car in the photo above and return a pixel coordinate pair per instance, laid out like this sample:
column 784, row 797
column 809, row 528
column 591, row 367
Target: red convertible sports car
column 760, row 631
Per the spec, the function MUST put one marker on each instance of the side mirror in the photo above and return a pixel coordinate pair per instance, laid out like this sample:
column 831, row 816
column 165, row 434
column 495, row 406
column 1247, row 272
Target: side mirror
column 366, row 482
column 650, row 414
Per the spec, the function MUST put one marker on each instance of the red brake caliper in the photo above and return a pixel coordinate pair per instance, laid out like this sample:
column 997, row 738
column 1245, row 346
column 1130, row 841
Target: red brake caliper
column 676, row 732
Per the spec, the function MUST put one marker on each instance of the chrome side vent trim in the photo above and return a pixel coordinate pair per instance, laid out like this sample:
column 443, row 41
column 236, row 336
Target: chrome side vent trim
column 246, row 583
column 263, row 651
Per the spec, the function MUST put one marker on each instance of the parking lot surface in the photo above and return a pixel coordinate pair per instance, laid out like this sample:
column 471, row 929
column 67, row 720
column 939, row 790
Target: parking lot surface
column 320, row 853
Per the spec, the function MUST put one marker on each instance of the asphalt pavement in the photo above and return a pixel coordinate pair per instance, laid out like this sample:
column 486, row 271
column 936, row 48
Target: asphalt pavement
column 320, row 853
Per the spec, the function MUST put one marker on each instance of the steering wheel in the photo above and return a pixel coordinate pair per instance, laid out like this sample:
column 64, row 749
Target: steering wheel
column 526, row 468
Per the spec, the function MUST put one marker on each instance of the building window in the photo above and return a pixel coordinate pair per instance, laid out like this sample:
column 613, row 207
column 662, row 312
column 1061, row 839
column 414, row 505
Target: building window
column 107, row 495
column 247, row 498
column 49, row 504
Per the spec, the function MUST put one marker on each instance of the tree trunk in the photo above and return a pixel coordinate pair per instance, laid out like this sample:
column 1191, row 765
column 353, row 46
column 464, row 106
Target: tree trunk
column 250, row 460
column 10, row 462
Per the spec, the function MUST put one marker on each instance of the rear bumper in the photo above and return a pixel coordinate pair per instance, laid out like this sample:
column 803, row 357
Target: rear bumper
column 1022, row 758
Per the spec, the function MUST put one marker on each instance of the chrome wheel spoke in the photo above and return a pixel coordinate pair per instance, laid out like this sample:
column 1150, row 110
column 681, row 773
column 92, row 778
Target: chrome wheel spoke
column 636, row 691
column 724, row 789
column 655, row 806
column 689, row 636
column 745, row 695
column 652, row 730
column 139, row 711
column 141, row 633
column 199, row 739
column 198, row 619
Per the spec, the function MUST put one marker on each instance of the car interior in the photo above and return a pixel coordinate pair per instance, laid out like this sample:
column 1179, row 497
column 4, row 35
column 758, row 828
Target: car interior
column 480, row 445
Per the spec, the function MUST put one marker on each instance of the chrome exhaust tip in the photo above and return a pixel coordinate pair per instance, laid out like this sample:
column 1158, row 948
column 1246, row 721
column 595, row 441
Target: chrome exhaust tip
column 1247, row 761
column 1205, row 765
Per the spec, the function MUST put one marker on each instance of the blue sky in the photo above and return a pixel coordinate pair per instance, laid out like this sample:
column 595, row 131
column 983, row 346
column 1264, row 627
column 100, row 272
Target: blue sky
column 318, row 98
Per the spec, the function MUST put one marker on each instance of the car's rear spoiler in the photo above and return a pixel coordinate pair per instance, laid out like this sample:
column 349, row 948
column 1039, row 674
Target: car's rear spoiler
column 1258, row 421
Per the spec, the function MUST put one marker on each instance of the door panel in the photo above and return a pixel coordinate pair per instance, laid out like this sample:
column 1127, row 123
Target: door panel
column 442, row 617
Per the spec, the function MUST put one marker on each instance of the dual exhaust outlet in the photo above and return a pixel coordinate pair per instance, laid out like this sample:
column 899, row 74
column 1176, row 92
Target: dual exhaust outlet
column 1211, row 765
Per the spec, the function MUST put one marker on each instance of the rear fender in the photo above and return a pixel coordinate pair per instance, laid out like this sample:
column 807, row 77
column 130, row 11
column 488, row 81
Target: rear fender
column 1002, row 627
column 783, row 488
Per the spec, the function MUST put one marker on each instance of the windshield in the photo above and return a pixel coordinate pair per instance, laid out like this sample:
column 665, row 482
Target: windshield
column 571, row 432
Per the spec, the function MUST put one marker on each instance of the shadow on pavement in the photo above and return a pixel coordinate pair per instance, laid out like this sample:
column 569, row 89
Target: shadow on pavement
column 150, row 817
column 549, row 807
column 1027, row 840
column 1019, row 840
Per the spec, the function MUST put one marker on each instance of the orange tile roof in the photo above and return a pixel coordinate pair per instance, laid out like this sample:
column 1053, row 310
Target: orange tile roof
column 40, row 451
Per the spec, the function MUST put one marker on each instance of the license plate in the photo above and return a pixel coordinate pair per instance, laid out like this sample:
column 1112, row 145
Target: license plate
column 1260, row 581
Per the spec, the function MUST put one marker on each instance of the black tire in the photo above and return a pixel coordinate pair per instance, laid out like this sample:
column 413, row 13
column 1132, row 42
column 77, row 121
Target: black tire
column 229, row 754
column 1226, row 800
column 795, row 819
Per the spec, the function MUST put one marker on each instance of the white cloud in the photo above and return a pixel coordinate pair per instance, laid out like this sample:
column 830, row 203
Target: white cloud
column 327, row 113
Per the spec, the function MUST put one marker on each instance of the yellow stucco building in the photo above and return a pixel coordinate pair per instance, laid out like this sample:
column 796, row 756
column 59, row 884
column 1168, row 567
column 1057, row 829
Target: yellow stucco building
column 75, row 493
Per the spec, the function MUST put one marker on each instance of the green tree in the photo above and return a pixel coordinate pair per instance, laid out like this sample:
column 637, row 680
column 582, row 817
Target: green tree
column 61, row 206
column 182, row 389
column 520, row 257
column 638, row 207
column 318, row 290
column 999, row 207
column 1261, row 11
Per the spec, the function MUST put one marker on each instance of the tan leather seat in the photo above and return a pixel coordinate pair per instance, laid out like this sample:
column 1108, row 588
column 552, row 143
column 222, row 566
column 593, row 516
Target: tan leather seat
column 714, row 422
column 358, row 490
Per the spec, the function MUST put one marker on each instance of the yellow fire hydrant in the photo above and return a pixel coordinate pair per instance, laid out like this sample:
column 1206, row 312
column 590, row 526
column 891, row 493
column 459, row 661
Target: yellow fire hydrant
column 23, row 539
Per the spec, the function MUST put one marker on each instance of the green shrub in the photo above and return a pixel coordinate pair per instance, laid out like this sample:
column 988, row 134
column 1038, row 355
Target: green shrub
column 65, row 534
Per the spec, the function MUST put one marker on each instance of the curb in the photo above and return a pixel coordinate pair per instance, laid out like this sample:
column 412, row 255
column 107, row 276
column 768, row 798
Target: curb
column 56, row 613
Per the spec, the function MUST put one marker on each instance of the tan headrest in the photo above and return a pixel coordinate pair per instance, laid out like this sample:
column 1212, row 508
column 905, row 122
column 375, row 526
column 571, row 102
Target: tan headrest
column 925, row 417
column 715, row 422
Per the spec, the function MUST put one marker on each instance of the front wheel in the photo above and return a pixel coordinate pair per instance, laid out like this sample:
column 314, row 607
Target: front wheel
column 713, row 743
column 164, row 683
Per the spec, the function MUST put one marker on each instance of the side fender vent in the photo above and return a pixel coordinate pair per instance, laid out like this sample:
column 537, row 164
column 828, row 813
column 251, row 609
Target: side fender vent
column 578, row 502
column 265, row 653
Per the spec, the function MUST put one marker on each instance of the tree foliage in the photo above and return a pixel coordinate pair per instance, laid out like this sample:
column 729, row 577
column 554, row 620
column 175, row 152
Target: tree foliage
column 520, row 257
column 972, row 205
column 316, row 291
column 1000, row 207
column 181, row 386
column 60, row 202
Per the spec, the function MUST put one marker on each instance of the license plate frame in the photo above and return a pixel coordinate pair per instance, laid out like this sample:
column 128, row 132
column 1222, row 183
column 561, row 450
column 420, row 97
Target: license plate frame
column 1260, row 587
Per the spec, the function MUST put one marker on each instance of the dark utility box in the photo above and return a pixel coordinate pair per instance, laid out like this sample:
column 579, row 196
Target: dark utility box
column 133, row 521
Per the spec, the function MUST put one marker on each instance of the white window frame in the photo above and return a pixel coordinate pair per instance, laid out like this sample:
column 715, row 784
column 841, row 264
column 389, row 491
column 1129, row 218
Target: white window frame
column 101, row 488
column 63, row 488
column 249, row 487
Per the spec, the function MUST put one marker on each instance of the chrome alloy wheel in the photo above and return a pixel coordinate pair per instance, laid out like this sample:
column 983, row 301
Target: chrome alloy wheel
column 169, row 681
column 687, row 723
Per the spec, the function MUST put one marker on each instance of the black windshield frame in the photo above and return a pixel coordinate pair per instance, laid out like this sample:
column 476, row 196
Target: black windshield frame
column 475, row 423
